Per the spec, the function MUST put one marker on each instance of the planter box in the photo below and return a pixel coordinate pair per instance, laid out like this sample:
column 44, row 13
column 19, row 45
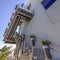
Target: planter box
column 33, row 41
column 47, row 52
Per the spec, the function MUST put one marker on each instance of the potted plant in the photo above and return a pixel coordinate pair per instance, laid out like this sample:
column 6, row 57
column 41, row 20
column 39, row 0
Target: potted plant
column 46, row 48
column 46, row 43
column 32, row 38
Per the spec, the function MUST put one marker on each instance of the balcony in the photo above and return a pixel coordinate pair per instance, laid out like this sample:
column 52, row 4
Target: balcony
column 9, row 32
column 11, row 41
column 6, row 33
column 23, row 11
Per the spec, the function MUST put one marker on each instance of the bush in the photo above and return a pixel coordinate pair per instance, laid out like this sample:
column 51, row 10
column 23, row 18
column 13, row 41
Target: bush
column 32, row 36
column 46, row 42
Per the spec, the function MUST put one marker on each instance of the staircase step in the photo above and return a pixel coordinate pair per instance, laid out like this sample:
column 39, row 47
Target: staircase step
column 39, row 54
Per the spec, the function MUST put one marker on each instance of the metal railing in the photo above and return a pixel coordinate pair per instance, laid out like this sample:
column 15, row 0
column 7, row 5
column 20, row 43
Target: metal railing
column 55, row 49
column 24, row 8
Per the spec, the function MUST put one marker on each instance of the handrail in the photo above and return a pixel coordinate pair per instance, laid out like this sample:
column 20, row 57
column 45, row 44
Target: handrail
column 56, row 50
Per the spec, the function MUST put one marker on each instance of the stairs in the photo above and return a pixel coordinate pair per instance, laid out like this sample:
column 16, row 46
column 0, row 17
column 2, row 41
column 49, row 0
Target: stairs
column 39, row 54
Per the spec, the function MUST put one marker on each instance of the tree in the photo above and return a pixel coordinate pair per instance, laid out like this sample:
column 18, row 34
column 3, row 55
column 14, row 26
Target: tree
column 4, row 52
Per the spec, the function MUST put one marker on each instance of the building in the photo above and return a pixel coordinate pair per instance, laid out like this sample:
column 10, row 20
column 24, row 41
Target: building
column 40, row 18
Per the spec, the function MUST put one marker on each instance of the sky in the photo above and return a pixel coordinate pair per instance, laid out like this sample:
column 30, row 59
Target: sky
column 6, row 10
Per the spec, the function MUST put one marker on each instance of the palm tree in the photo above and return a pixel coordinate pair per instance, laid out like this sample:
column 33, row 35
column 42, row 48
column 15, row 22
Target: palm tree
column 4, row 52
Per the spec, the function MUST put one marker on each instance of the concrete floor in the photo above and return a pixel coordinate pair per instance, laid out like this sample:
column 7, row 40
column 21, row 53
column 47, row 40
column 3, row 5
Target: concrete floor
column 24, row 57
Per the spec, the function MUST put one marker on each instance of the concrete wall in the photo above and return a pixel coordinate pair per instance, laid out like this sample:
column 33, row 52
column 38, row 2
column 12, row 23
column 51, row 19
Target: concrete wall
column 45, row 23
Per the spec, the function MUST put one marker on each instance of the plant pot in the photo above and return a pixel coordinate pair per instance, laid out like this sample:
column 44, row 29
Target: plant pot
column 45, row 47
column 47, row 51
column 33, row 42
column 32, row 39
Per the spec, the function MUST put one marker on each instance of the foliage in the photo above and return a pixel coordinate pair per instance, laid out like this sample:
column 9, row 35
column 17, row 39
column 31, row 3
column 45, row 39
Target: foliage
column 46, row 42
column 32, row 36
column 4, row 52
column 20, row 35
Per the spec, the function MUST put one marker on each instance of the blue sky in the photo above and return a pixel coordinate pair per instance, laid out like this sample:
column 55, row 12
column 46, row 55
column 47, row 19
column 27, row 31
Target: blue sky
column 6, row 9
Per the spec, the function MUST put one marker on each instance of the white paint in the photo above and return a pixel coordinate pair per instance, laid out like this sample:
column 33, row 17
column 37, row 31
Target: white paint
column 45, row 47
column 41, row 23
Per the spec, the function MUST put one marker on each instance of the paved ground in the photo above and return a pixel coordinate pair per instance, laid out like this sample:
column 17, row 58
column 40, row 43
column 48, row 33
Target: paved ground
column 23, row 57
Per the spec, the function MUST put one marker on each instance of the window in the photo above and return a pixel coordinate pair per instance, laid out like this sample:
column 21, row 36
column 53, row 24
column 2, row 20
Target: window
column 47, row 3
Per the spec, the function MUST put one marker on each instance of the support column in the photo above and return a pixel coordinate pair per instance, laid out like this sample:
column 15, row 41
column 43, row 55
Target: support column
column 32, row 51
column 17, row 50
column 18, row 46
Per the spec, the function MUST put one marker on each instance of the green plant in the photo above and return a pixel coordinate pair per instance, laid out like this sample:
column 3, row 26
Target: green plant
column 46, row 42
column 32, row 36
column 19, row 35
column 4, row 52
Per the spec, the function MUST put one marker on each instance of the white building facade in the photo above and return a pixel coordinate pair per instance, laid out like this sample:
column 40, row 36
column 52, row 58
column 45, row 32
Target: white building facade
column 45, row 24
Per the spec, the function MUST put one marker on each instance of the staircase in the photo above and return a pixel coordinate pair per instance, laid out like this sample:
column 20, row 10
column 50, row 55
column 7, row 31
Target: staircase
column 39, row 54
